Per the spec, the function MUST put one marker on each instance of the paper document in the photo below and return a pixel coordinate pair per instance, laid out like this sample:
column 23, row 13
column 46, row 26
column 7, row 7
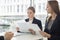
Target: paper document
column 24, row 27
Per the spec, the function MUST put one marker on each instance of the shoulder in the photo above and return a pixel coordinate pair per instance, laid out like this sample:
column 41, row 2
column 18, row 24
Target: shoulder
column 37, row 20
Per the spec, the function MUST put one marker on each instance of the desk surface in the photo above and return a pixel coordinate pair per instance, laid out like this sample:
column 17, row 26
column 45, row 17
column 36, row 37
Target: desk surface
column 28, row 37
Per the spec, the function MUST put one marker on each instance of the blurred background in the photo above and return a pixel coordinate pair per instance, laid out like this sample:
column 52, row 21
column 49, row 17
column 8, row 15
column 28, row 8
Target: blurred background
column 15, row 10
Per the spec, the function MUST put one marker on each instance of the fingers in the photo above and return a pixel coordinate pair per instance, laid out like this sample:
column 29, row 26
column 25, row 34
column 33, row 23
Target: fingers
column 32, row 31
column 17, row 28
column 43, row 33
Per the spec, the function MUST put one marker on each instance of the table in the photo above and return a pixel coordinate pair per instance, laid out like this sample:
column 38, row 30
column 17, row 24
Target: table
column 28, row 37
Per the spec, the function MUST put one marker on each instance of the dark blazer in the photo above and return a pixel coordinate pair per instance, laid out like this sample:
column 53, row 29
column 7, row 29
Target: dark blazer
column 1, row 37
column 35, row 21
column 55, row 29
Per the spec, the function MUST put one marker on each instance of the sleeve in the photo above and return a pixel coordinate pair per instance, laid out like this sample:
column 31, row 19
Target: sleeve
column 54, row 37
column 1, row 38
column 40, row 25
column 57, row 32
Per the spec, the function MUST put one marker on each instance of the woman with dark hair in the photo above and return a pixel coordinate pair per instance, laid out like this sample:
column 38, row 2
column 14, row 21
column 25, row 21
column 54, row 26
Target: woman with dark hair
column 52, row 26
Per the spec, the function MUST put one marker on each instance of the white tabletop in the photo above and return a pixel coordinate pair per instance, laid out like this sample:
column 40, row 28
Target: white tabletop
column 28, row 37
column 22, row 36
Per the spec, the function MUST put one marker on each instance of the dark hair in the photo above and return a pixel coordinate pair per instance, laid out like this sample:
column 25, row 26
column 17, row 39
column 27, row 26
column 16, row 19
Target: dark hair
column 55, row 7
column 32, row 8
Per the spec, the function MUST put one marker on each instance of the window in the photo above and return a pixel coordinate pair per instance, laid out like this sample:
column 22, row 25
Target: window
column 40, row 6
column 19, row 7
column 14, row 7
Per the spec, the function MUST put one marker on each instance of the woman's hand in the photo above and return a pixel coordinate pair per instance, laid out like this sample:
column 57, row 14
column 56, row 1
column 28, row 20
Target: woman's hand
column 17, row 29
column 32, row 31
column 44, row 34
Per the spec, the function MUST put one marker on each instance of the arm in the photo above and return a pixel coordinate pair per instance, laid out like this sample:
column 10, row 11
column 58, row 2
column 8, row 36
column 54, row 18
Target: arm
column 44, row 34
column 1, row 37
column 54, row 37
column 49, row 36
column 40, row 24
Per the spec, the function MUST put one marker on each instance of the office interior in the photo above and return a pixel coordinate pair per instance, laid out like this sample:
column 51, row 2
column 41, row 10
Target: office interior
column 16, row 10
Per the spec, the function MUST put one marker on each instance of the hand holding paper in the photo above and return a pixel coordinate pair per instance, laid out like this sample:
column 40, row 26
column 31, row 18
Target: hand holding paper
column 27, row 27
column 18, row 29
column 32, row 31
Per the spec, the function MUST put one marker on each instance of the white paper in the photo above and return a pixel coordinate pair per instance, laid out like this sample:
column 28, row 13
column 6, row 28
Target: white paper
column 24, row 27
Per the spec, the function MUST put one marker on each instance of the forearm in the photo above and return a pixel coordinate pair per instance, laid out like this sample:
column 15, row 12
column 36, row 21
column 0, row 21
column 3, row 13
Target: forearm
column 44, row 34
